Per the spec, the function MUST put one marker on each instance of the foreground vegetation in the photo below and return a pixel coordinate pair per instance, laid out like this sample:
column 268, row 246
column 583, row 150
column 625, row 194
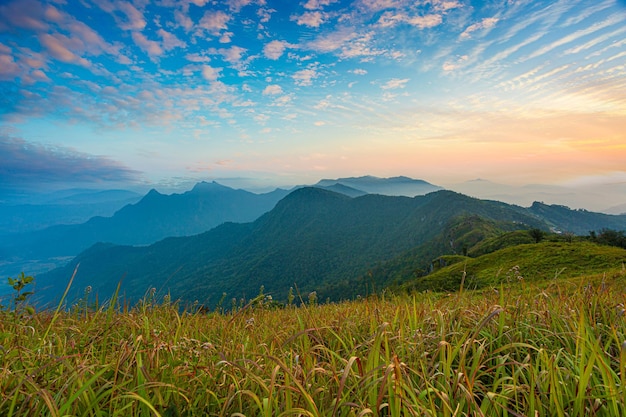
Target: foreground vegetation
column 515, row 350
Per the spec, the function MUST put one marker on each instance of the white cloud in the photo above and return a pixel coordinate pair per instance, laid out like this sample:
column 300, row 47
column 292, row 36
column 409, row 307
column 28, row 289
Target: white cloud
column 59, row 46
column 170, row 41
column 358, row 71
column 377, row 5
column 426, row 21
column 183, row 20
column 332, row 41
column 573, row 36
column 445, row 5
column 395, row 83
column 282, row 100
column 275, row 49
column 272, row 90
column 233, row 55
column 389, row 19
column 451, row 66
column 214, row 22
column 209, row 73
column 134, row 19
column 359, row 47
column 486, row 23
column 317, row 4
column 236, row 5
column 152, row 48
column 304, row 77
column 310, row 19
column 9, row 69
column 197, row 58
column 226, row 37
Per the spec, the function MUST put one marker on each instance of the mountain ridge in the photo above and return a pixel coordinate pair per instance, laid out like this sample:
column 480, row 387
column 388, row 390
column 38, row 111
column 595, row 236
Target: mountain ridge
column 313, row 239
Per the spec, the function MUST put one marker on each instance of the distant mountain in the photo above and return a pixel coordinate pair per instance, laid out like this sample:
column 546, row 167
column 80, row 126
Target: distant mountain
column 313, row 239
column 398, row 186
column 579, row 222
column 619, row 209
column 155, row 217
column 343, row 189
column 595, row 197
column 69, row 208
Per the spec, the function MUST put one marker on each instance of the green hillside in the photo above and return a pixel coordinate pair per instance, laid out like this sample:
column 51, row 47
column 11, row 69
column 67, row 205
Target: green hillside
column 527, row 262
column 313, row 240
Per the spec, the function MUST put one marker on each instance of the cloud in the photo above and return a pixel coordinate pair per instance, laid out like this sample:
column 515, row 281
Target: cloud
column 26, row 164
column 426, row 21
column 132, row 18
column 152, row 48
column 214, row 22
column 272, row 90
column 317, row 4
column 170, row 41
column 59, row 46
column 358, row 71
column 209, row 73
column 378, row 5
column 445, row 5
column 395, row 83
column 486, row 23
column 304, row 77
column 9, row 69
column 275, row 49
column 389, row 19
column 24, row 14
column 576, row 35
column 236, row 5
column 310, row 19
column 233, row 55
column 332, row 41
column 197, row 58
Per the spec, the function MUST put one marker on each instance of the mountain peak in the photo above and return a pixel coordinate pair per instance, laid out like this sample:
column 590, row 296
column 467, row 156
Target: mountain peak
column 153, row 193
column 204, row 186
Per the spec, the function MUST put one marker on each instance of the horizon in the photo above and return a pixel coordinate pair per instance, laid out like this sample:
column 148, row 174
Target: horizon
column 123, row 94
column 604, row 198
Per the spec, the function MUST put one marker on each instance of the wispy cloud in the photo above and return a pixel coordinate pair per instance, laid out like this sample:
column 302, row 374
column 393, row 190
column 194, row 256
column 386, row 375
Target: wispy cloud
column 576, row 35
column 395, row 83
column 484, row 25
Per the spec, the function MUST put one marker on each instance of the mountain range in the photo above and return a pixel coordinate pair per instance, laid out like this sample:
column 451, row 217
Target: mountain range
column 69, row 207
column 155, row 217
column 314, row 239
column 606, row 197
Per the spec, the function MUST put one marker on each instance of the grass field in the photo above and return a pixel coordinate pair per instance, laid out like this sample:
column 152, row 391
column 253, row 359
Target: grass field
column 518, row 350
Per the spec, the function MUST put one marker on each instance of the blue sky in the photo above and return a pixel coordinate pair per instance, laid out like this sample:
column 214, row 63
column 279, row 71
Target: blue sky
column 110, row 92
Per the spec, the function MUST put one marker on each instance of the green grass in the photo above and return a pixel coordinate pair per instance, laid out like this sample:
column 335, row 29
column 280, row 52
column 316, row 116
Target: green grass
column 536, row 262
column 557, row 350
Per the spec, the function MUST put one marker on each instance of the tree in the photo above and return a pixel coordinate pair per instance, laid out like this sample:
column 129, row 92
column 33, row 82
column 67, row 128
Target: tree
column 536, row 234
column 612, row 238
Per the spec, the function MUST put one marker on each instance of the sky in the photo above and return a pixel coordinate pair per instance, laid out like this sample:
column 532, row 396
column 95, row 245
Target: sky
column 112, row 92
